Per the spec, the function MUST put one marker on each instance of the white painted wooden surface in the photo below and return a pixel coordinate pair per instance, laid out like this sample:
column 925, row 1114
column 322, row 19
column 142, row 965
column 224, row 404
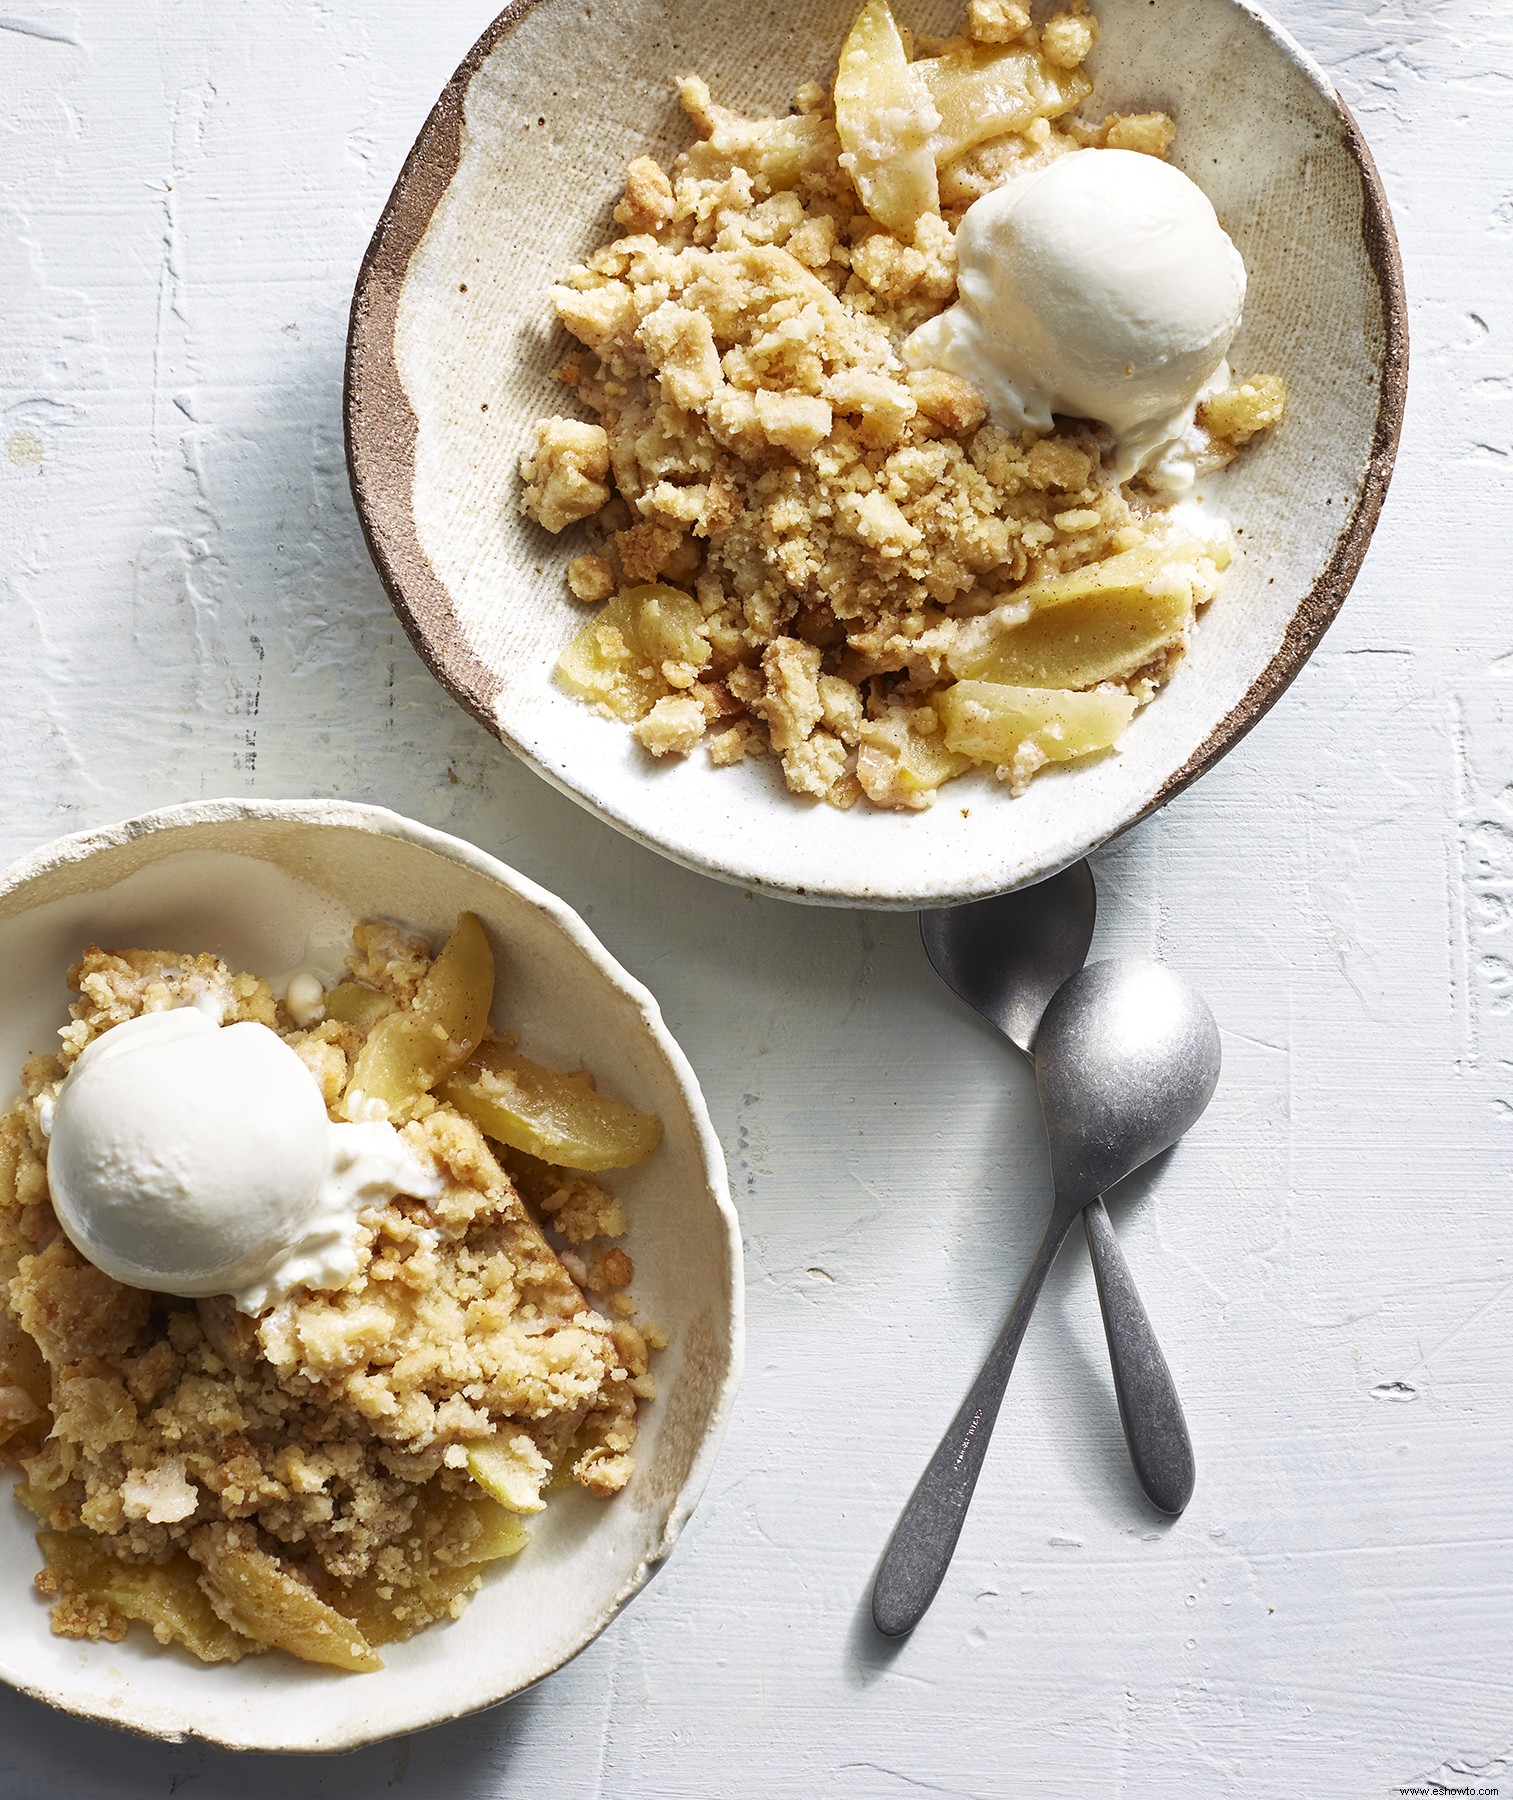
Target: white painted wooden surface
column 187, row 610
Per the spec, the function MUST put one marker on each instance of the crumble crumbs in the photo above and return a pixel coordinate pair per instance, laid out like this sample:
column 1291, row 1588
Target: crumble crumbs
column 997, row 21
column 177, row 1450
column 1241, row 411
column 565, row 474
column 803, row 513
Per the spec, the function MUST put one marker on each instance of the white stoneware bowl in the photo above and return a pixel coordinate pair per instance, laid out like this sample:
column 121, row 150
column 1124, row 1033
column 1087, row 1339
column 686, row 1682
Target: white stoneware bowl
column 453, row 344
column 263, row 884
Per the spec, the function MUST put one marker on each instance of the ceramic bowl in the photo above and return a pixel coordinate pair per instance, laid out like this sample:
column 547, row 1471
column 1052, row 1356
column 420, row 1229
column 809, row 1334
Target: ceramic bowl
column 453, row 344
column 259, row 883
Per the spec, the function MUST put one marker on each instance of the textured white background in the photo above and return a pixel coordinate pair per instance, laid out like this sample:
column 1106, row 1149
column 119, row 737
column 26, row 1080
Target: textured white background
column 185, row 188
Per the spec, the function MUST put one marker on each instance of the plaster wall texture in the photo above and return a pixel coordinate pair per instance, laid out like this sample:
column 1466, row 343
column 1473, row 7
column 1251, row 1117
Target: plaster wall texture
column 185, row 191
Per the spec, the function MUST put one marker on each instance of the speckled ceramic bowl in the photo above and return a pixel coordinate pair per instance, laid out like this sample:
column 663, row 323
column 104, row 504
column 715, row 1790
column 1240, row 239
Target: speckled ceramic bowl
column 452, row 347
column 260, row 883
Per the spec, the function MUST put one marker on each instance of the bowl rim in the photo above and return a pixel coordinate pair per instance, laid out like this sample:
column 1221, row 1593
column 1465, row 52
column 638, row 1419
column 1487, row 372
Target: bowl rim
column 80, row 847
column 381, row 433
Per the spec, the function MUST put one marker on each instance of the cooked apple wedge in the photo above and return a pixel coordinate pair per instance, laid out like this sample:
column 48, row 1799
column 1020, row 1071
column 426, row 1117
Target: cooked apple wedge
column 511, row 1471
column 560, row 1118
column 1190, row 567
column 165, row 1596
column 412, row 1048
column 991, row 722
column 1085, row 642
column 885, row 119
column 616, row 659
column 500, row 1532
column 900, row 767
column 355, row 1003
column 257, row 1595
column 1092, row 625
column 988, row 91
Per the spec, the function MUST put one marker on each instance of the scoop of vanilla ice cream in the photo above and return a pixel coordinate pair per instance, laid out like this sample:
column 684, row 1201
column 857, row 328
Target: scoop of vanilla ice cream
column 1101, row 286
column 192, row 1158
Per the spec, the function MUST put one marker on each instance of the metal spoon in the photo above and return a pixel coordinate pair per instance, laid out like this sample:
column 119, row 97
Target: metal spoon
column 1126, row 1059
column 1006, row 957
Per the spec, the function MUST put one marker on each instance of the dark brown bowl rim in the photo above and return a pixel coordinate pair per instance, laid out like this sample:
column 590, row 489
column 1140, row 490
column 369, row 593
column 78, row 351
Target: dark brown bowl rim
column 381, row 434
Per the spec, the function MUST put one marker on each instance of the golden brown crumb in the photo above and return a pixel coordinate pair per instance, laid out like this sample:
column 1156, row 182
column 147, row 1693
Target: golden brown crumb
column 997, row 21
column 1067, row 38
column 1151, row 133
column 672, row 727
column 648, row 200
column 389, row 958
column 579, row 1208
column 730, row 746
column 564, row 474
column 1241, row 411
column 790, row 702
column 951, row 402
column 322, row 1052
column 610, row 1269
column 645, row 550
column 591, row 578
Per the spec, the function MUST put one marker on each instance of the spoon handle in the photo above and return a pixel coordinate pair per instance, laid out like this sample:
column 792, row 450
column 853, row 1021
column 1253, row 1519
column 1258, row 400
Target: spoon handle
column 920, row 1550
column 1149, row 1409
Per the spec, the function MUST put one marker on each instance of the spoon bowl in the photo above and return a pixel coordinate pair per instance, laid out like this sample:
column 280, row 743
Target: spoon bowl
column 1007, row 956
column 1126, row 1059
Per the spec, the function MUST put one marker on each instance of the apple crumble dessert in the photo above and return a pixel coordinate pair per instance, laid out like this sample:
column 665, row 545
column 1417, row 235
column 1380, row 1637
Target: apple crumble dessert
column 333, row 1470
column 810, row 534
